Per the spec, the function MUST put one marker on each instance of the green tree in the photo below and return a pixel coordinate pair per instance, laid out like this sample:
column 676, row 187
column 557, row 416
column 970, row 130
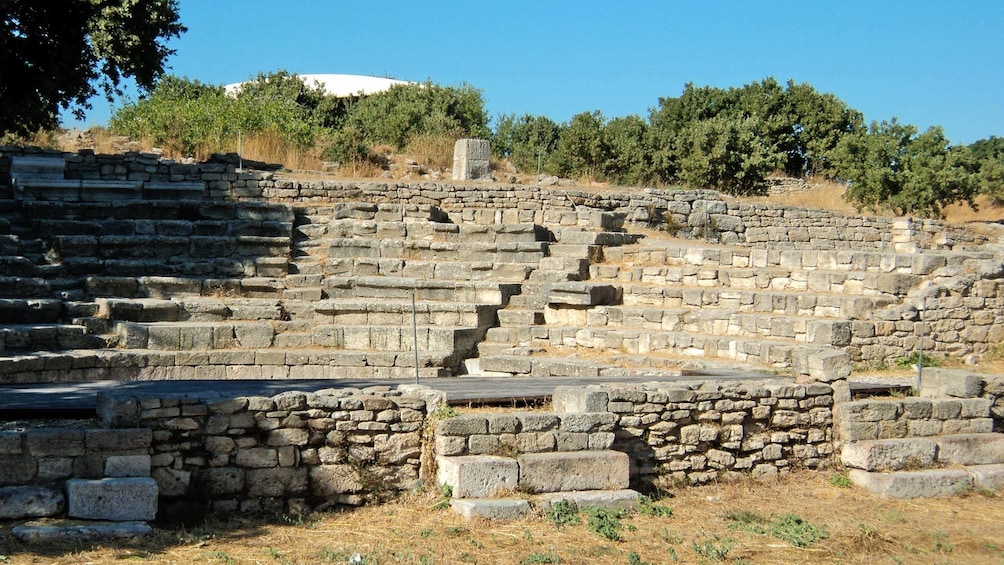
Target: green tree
column 890, row 166
column 524, row 139
column 580, row 150
column 55, row 54
column 726, row 153
column 628, row 157
column 395, row 115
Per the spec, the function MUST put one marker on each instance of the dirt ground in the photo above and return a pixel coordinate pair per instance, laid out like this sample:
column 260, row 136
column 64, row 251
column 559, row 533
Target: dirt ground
column 746, row 522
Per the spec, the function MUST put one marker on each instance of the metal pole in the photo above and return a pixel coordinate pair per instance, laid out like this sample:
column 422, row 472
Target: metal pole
column 538, row 168
column 920, row 350
column 414, row 332
column 240, row 151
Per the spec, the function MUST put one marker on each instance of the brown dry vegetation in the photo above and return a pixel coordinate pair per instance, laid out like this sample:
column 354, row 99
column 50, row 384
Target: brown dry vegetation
column 860, row 528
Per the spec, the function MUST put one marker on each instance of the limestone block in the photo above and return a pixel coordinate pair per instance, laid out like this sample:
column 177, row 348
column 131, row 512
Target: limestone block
column 914, row 484
column 478, row 476
column 940, row 383
column 566, row 471
column 283, row 481
column 829, row 365
column 472, row 159
column 82, row 533
column 971, row 449
column 17, row 469
column 583, row 294
column 578, row 399
column 332, row 480
column 491, row 508
column 988, row 477
column 55, row 442
column 462, row 426
column 117, row 500
column 220, row 481
column 127, row 466
column 172, row 482
column 119, row 439
column 890, row 454
column 624, row 499
column 257, row 457
column 18, row 503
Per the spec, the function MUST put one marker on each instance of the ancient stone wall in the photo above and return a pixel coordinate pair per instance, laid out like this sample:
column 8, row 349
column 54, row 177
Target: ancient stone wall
column 335, row 446
column 673, row 433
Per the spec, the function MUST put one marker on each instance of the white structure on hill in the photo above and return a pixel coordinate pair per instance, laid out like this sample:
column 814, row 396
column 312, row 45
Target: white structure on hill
column 341, row 86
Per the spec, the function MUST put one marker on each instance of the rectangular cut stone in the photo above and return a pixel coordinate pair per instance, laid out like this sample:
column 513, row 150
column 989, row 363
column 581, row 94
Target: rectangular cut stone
column 971, row 449
column 472, row 159
column 127, row 466
column 491, row 508
column 914, row 484
column 116, row 500
column 578, row 399
column 581, row 470
column 889, row 454
column 987, row 477
column 478, row 476
column 624, row 499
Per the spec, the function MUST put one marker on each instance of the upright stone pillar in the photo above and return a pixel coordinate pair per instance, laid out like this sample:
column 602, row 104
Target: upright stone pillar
column 472, row 159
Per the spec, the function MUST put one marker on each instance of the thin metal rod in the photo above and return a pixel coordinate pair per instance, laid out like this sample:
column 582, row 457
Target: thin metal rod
column 414, row 333
column 920, row 350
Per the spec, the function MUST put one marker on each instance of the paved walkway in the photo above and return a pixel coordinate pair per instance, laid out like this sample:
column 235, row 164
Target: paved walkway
column 55, row 397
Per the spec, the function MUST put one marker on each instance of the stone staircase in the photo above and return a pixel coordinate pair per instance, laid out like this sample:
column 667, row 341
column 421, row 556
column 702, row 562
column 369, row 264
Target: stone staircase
column 487, row 460
column 941, row 443
column 665, row 298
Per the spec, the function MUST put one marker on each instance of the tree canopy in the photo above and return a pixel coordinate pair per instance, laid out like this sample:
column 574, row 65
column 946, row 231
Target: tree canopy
column 56, row 54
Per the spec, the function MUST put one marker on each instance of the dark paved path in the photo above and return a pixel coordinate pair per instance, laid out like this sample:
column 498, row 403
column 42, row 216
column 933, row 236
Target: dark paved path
column 54, row 397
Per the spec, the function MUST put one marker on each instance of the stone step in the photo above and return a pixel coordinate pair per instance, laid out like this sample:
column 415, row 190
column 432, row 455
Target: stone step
column 561, row 269
column 517, row 508
column 916, row 453
column 116, row 499
column 607, row 239
column 910, row 417
column 399, row 313
column 160, row 247
column 765, row 301
column 396, row 338
column 385, row 212
column 660, row 253
column 161, row 211
column 709, row 321
column 46, row 337
column 121, row 227
column 24, row 287
column 427, row 269
column 84, row 365
column 30, row 310
column 76, row 533
column 191, row 308
column 914, row 484
column 766, row 278
column 166, row 287
column 482, row 292
column 481, row 476
column 417, row 229
column 770, row 353
column 497, row 252
column 18, row 266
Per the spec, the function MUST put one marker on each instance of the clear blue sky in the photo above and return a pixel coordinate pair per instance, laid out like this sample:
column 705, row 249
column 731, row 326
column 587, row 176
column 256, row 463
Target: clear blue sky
column 926, row 62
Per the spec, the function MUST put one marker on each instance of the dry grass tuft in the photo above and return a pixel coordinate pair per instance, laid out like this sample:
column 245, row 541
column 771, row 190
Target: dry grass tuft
column 860, row 528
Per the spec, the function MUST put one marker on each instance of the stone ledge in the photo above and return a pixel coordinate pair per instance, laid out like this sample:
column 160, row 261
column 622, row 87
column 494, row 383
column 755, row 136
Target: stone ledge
column 77, row 533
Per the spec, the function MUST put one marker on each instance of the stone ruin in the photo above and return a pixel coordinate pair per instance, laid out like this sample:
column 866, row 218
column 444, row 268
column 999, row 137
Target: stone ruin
column 133, row 267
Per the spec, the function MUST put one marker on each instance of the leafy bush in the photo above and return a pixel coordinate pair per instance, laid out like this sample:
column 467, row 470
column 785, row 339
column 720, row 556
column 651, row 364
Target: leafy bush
column 605, row 522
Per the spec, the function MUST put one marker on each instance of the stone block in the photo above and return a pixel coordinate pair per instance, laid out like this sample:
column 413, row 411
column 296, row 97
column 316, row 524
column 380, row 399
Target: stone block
column 472, row 159
column 491, row 508
column 583, row 294
column 829, row 365
column 890, row 454
column 971, row 449
column 623, row 499
column 82, row 533
column 119, row 439
column 478, row 476
column 17, row 469
column 331, row 480
column 462, row 426
column 567, row 471
column 19, row 503
column 987, row 477
column 937, row 383
column 117, row 500
column 172, row 482
column 127, row 466
column 578, row 399
column 914, row 484
column 55, row 442
column 277, row 482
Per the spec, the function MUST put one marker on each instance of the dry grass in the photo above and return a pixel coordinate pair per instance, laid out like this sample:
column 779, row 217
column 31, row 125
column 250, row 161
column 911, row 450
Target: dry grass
column 860, row 527
column 270, row 148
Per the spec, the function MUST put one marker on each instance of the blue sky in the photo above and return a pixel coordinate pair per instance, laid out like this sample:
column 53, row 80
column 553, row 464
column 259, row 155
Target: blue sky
column 926, row 62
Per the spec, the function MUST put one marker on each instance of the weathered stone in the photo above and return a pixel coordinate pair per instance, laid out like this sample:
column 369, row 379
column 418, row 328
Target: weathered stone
column 331, row 480
column 566, row 471
column 257, row 457
column 914, row 484
column 578, row 399
column 172, row 482
column 491, row 508
column 82, row 533
column 276, row 482
column 889, row 454
column 54, row 442
column 221, row 481
column 117, row 500
column 624, row 499
column 127, row 466
column 478, row 476
column 21, row 502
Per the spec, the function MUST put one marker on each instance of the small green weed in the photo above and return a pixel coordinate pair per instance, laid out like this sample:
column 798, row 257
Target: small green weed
column 715, row 548
column 445, row 495
column 457, row 530
column 219, row 556
column 646, row 507
column 443, row 412
column 796, row 531
column 912, row 359
column 425, row 560
column 563, row 513
column 426, row 533
column 941, row 544
column 635, row 559
column 605, row 522
column 670, row 538
column 841, row 481
column 535, row 558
